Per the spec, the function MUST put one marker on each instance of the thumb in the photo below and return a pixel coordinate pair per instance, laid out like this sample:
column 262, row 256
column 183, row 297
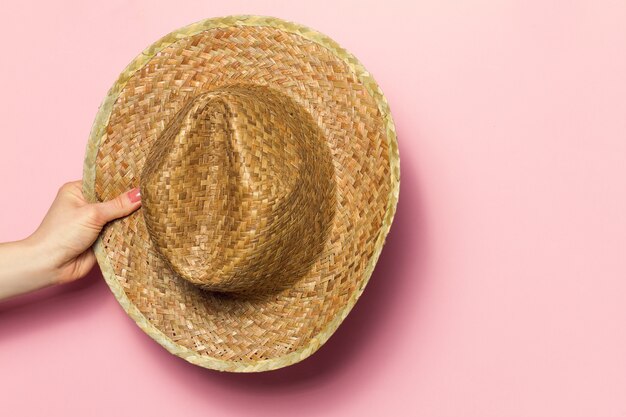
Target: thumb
column 120, row 206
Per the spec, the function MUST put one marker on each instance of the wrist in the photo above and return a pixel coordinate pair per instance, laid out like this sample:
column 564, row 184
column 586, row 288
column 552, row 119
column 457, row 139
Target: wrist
column 40, row 259
column 24, row 267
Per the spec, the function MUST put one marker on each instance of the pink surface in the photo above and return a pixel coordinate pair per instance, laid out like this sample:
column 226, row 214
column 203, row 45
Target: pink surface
column 502, row 288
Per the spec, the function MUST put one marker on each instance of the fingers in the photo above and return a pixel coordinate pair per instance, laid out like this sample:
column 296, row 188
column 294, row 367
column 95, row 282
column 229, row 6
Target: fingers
column 80, row 267
column 71, row 188
column 120, row 206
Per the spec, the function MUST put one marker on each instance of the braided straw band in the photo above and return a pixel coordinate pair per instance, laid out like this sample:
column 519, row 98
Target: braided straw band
column 302, row 165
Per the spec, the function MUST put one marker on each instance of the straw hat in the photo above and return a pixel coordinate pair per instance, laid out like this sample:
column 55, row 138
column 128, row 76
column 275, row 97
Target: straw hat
column 269, row 171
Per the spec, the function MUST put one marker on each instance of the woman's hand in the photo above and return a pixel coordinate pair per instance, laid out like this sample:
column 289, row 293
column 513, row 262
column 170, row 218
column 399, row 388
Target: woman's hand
column 60, row 249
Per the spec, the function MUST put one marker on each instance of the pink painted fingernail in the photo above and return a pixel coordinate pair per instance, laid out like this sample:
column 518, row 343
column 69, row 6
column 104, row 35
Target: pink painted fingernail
column 134, row 195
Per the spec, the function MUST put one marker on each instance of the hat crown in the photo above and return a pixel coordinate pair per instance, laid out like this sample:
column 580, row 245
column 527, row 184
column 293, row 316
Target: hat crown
column 238, row 191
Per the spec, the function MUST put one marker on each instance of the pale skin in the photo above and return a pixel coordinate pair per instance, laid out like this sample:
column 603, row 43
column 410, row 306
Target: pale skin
column 59, row 251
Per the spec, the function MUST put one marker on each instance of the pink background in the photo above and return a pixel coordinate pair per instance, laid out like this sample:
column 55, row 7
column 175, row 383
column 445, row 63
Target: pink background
column 502, row 288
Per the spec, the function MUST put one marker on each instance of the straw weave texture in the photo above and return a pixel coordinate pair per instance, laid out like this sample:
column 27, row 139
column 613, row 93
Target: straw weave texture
column 269, row 170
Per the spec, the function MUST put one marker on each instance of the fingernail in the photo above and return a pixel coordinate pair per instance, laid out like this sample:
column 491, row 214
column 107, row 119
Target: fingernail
column 134, row 195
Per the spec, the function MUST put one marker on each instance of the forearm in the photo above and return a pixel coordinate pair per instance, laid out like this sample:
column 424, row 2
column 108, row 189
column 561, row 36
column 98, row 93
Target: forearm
column 23, row 268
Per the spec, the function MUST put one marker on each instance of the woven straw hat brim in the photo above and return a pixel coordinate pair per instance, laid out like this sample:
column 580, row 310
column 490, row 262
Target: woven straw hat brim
column 214, row 330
